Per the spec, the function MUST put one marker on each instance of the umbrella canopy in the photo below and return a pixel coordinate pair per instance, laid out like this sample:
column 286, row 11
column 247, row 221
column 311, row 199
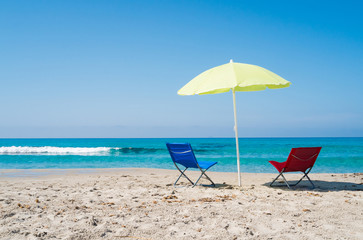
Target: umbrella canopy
column 236, row 77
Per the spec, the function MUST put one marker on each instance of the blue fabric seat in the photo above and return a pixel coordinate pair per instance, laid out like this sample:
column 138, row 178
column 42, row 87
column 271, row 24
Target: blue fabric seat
column 205, row 164
column 182, row 154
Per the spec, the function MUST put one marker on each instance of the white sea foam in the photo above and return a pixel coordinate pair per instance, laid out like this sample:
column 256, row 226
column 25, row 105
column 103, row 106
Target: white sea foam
column 48, row 150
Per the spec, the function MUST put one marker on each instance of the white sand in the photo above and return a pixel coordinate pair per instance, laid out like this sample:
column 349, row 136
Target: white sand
column 142, row 204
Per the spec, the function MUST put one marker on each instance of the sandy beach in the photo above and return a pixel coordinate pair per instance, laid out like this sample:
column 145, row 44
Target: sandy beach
column 143, row 204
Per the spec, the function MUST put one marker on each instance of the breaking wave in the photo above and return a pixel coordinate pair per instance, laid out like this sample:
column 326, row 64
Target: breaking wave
column 95, row 151
column 48, row 150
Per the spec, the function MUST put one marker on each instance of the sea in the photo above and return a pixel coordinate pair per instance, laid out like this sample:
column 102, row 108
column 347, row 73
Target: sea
column 338, row 155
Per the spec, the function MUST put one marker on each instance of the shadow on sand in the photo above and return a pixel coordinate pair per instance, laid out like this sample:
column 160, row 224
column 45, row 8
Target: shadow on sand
column 320, row 186
column 217, row 185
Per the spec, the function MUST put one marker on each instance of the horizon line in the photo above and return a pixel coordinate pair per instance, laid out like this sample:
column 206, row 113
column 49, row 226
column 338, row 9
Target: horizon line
column 156, row 137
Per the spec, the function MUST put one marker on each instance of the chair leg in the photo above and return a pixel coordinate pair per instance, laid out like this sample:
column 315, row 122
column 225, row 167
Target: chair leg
column 310, row 180
column 288, row 185
column 275, row 179
column 282, row 175
column 203, row 173
column 182, row 174
column 209, row 179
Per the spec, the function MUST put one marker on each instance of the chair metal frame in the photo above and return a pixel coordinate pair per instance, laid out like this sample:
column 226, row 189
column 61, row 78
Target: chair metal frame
column 195, row 183
column 293, row 185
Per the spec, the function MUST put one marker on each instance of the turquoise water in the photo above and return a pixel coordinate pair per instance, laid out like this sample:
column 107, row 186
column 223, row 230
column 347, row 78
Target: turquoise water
column 338, row 155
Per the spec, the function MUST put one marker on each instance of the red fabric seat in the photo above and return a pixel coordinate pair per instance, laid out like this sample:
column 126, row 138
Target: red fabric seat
column 279, row 166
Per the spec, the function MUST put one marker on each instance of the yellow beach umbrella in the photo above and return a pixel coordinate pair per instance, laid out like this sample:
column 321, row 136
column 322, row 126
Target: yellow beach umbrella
column 238, row 77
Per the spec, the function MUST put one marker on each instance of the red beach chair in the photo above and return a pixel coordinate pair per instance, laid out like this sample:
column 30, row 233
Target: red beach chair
column 299, row 160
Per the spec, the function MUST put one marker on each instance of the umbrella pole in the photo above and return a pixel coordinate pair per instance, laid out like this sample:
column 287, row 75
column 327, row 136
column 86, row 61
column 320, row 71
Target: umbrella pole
column 236, row 133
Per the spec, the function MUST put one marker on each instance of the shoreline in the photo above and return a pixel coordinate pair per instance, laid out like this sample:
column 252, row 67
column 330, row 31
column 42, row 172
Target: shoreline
column 139, row 203
column 33, row 172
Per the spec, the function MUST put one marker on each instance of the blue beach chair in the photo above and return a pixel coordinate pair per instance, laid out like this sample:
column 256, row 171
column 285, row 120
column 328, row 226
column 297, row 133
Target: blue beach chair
column 182, row 154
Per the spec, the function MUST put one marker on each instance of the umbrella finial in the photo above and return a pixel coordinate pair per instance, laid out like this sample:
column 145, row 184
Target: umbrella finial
column 231, row 61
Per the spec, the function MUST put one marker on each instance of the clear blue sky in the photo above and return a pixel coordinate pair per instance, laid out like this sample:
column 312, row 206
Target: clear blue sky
column 112, row 68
